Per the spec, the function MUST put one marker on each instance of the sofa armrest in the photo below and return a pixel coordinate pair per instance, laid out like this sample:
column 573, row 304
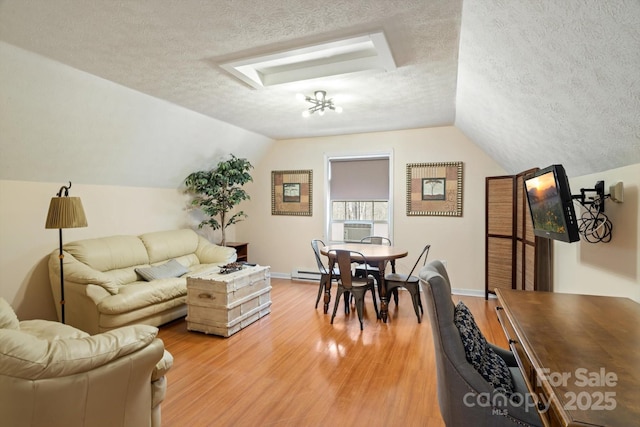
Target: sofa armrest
column 78, row 272
column 49, row 331
column 210, row 253
column 163, row 366
column 28, row 356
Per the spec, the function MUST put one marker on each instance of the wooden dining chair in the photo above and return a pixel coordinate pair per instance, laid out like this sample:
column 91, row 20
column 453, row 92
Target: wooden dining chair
column 356, row 286
column 373, row 267
column 411, row 283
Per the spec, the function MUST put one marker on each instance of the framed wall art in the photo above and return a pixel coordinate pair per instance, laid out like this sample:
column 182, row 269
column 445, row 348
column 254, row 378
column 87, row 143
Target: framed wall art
column 291, row 192
column 434, row 189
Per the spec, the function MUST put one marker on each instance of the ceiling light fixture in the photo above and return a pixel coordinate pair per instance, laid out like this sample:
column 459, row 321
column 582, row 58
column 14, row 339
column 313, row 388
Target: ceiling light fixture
column 320, row 103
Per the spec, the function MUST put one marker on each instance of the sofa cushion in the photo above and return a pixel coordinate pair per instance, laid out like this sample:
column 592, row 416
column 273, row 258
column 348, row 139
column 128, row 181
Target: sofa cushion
column 188, row 260
column 8, row 318
column 123, row 276
column 109, row 253
column 138, row 295
column 164, row 245
column 171, row 268
column 477, row 351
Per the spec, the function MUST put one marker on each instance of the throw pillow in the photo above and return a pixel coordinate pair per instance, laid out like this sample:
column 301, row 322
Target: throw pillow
column 492, row 367
column 169, row 269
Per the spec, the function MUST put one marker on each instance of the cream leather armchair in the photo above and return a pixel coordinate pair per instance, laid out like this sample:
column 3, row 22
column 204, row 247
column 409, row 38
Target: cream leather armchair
column 56, row 375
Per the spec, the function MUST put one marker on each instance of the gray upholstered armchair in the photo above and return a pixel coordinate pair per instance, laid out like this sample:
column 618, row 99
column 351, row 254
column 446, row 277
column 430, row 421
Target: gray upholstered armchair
column 465, row 397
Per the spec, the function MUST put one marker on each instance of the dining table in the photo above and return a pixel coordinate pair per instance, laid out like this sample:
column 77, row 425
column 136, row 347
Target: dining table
column 378, row 255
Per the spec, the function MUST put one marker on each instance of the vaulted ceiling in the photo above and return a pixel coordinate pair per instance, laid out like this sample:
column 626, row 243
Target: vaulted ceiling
column 530, row 82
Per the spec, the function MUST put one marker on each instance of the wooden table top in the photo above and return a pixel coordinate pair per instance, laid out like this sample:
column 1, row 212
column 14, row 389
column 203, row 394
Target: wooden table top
column 594, row 341
column 370, row 251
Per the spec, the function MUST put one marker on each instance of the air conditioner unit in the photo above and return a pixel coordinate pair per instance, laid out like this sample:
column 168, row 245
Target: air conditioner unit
column 356, row 231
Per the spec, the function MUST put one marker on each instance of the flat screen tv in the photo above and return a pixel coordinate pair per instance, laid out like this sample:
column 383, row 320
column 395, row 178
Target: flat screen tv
column 551, row 204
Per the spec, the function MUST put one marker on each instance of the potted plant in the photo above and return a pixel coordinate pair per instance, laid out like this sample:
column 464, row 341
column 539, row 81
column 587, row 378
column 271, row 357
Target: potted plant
column 219, row 190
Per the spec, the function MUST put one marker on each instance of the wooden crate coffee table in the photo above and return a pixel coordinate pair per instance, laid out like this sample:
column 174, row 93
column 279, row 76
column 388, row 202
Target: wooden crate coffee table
column 222, row 304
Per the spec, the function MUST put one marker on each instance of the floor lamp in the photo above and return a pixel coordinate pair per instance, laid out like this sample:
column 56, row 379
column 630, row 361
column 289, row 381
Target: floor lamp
column 64, row 212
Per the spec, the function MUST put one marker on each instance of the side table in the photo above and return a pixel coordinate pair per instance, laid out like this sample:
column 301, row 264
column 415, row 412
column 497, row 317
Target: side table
column 242, row 250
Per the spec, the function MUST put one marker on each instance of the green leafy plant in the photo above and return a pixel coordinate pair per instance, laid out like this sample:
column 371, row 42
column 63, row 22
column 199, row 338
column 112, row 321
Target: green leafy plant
column 219, row 190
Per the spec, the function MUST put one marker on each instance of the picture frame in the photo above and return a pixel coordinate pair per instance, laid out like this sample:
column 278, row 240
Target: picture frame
column 434, row 189
column 291, row 192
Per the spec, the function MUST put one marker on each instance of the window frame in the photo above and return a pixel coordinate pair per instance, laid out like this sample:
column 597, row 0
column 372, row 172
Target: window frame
column 327, row 194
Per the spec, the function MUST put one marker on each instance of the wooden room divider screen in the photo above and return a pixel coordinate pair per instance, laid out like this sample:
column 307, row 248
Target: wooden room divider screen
column 514, row 257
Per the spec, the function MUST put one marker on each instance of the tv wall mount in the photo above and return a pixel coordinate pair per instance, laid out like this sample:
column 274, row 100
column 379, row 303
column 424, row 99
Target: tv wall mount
column 594, row 226
column 597, row 201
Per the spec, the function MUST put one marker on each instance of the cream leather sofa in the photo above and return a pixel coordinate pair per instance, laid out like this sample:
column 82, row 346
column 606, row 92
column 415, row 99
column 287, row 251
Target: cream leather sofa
column 56, row 375
column 103, row 285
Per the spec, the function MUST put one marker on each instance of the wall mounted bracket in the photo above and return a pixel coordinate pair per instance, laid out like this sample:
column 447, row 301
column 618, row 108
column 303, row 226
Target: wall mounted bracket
column 597, row 200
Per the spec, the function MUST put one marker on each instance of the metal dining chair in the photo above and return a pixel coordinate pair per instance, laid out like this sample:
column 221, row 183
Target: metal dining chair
column 373, row 267
column 393, row 281
column 325, row 275
column 356, row 286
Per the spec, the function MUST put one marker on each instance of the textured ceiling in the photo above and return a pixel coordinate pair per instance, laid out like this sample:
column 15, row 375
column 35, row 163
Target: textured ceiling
column 532, row 83
column 545, row 82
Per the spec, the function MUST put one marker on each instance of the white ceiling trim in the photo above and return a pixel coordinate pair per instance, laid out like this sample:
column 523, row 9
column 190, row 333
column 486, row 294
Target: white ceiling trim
column 369, row 52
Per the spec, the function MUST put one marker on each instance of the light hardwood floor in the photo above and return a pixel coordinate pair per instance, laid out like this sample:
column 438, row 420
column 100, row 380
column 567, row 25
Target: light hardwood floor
column 293, row 368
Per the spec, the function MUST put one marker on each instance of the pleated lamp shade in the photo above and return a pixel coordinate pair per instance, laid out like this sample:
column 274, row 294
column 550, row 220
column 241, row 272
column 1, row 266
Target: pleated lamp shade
column 66, row 212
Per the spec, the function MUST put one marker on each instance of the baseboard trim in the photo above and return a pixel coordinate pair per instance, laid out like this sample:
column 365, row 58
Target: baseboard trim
column 281, row 275
column 462, row 292
column 470, row 293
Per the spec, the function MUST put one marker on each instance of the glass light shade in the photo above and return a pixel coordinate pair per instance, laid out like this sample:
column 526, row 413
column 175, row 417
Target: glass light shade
column 66, row 212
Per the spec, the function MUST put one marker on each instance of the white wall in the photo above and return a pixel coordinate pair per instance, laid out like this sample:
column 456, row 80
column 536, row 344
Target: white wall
column 279, row 241
column 604, row 268
column 58, row 124
column 126, row 154
column 25, row 244
column 284, row 241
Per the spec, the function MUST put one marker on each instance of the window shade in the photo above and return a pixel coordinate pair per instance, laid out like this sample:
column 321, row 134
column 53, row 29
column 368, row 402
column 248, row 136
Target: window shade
column 361, row 179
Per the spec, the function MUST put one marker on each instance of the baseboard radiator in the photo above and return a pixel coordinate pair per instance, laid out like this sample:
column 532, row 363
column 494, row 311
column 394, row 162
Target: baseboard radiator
column 305, row 274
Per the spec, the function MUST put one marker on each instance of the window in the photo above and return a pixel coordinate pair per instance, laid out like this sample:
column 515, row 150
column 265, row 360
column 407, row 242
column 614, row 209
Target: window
column 359, row 198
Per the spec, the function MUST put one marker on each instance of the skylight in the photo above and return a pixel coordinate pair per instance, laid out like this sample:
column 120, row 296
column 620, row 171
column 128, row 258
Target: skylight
column 362, row 53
